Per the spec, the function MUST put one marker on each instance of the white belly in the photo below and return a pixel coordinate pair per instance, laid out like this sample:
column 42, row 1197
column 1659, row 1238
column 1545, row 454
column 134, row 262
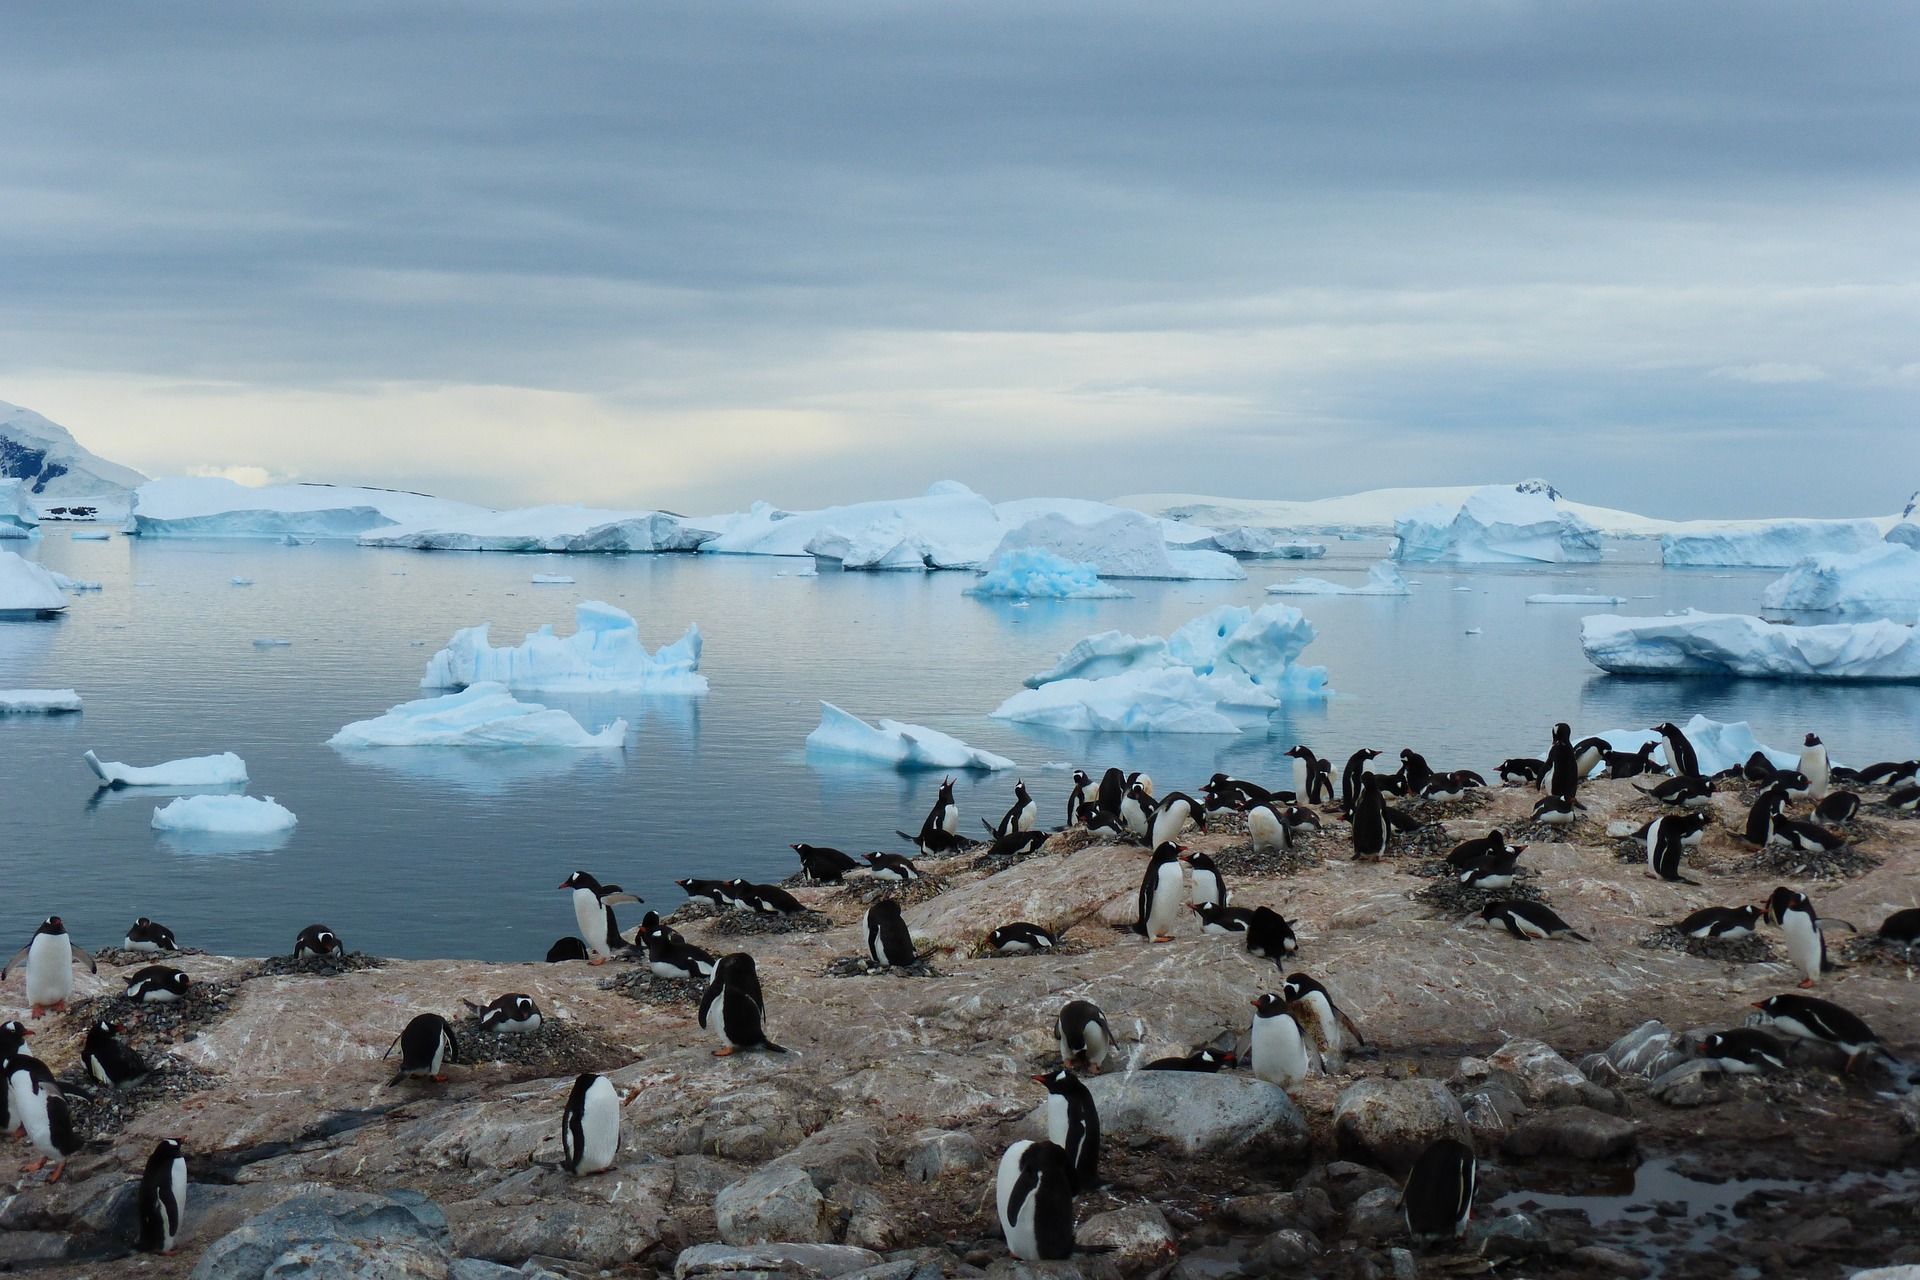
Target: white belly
column 1803, row 943
column 1020, row 1235
column 1268, row 832
column 49, row 969
column 1169, row 900
column 1301, row 777
column 1057, row 1119
column 1279, row 1055
column 1813, row 763
column 600, row 1126
column 1207, row 889
column 592, row 919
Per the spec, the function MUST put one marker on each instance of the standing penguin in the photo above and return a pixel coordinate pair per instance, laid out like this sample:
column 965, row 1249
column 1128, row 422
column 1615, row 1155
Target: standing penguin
column 1793, row 912
column 1350, row 776
column 1680, row 754
column 1172, row 816
column 1023, row 816
column 1369, row 821
column 943, row 817
column 109, row 1061
column 591, row 899
column 37, row 1105
column 1034, row 1193
column 1415, row 772
column 1563, row 764
column 1137, row 810
column 1163, row 892
column 1330, row 1022
column 1438, row 1196
column 427, row 1045
column 1815, row 767
column 1209, row 886
column 1666, row 843
column 49, row 956
column 1083, row 1033
column 733, row 1007
column 163, row 1197
column 1279, row 1053
column 1073, row 1124
column 1084, row 792
column 1306, row 768
column 590, row 1126
column 888, row 940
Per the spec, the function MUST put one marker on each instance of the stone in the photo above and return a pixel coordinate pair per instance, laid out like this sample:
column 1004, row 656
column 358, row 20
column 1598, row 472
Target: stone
column 1644, row 1052
column 1393, row 1121
column 871, row 1220
column 23, row 1248
column 336, row 1235
column 1345, row 1182
column 1286, row 1251
column 898, row 1269
column 1136, row 1239
column 934, row 1153
column 1888, row 1273
column 1491, row 1109
column 602, row 1234
column 1308, row 1209
column 777, row 1203
column 1404, row 1266
column 1546, row 1079
column 1691, row 1084
column 1514, row 1235
column 1199, row 1114
column 1376, row 1215
column 756, row 1123
column 1615, row 1261
column 788, row 1261
column 481, row 1269
column 1578, row 1132
column 848, row 1152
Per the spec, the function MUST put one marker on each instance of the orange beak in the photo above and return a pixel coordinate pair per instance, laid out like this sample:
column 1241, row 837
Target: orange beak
column 1254, row 1003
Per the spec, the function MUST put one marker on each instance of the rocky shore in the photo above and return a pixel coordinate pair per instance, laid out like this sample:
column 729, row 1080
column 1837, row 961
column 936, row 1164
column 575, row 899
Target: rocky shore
column 868, row 1151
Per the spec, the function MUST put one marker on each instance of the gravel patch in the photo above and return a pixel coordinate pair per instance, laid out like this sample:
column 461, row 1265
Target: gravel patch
column 557, row 1047
column 1457, row 899
column 864, row 966
column 1752, row 949
column 1872, row 949
column 108, row 1111
column 867, row 890
column 329, row 966
column 747, row 924
column 1843, row 863
column 152, row 1028
column 1245, row 860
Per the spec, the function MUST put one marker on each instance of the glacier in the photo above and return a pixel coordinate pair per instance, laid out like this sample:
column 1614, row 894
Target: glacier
column 30, row 702
column 904, row 746
column 1497, row 524
column 224, row 815
column 215, row 507
column 563, row 528
column 55, row 469
column 604, row 654
column 1725, row 644
column 18, row 518
column 1768, row 544
column 480, row 715
column 1033, row 573
column 1883, row 580
column 1382, row 580
column 223, row 770
column 26, row 589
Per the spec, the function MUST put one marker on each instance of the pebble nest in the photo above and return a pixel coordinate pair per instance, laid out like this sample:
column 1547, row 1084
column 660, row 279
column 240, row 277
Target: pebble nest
column 1843, row 863
column 329, row 966
column 151, row 1027
column 1752, row 949
column 867, row 890
column 1581, row 832
column 108, row 1111
column 744, row 924
column 864, row 966
column 1429, row 841
column 1451, row 896
column 1466, row 806
column 1061, row 947
column 1245, row 860
column 1871, row 948
column 557, row 1047
column 127, row 957
column 648, row 987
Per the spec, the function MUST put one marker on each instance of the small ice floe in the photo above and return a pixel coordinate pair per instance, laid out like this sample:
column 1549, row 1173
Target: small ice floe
column 223, row 770
column 1382, row 580
column 808, row 570
column 603, row 655
column 72, row 584
column 551, row 580
column 270, row 642
column 1575, row 599
column 225, row 815
column 904, row 746
column 1472, row 631
column 240, row 581
column 38, row 702
column 90, row 535
column 26, row 589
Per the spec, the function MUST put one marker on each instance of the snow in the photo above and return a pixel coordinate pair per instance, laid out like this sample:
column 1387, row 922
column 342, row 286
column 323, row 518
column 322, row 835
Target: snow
column 1694, row 643
column 904, row 746
column 27, row 588
column 215, row 507
column 28, row 702
column 223, row 770
column 56, row 470
column 1124, row 544
column 1906, row 533
column 569, row 528
column 1497, row 524
column 551, row 580
column 1768, row 544
column 1883, row 580
column 1382, row 580
column 18, row 519
column 90, row 535
column 224, row 815
column 604, row 654
column 1031, row 571
column 1548, row 598
column 1718, row 745
column 481, row 715
column 1266, row 544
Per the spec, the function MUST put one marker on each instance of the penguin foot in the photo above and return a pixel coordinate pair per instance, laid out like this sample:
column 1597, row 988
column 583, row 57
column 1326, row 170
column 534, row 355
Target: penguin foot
column 35, row 1166
column 724, row 1053
column 57, row 1171
column 442, row 1079
column 1806, row 984
column 39, row 1011
column 1163, row 937
column 58, row 1006
column 596, row 960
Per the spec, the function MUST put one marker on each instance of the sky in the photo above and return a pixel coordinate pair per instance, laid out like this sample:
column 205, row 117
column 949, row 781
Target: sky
column 688, row 256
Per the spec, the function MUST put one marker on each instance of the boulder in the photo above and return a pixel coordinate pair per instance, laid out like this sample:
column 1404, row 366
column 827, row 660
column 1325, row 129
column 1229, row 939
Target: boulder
column 1286, row 1252
column 1545, row 1079
column 786, row 1261
column 1578, row 1132
column 1647, row 1051
column 1393, row 1121
column 934, row 1153
column 777, row 1203
column 1514, row 1235
column 1199, row 1114
column 1136, row 1239
column 1307, row 1209
column 1691, row 1084
column 1376, row 1215
column 845, row 1152
column 336, row 1235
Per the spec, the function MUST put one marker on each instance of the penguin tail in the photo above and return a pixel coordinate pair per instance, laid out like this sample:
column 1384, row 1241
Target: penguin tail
column 471, row 1005
column 771, row 1047
column 1684, row 880
column 912, row 840
column 1577, row 936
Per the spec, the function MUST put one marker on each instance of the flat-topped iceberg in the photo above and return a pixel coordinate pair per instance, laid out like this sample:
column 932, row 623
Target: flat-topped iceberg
column 18, row 518
column 904, row 746
column 1124, row 544
column 1032, row 573
column 1497, row 524
column 1382, row 580
column 1731, row 644
column 223, row 770
column 215, row 507
column 480, row 715
column 1884, row 579
column 1717, row 744
column 38, row 702
column 1550, row 598
column 574, row 529
column 603, row 655
column 225, row 815
column 26, row 589
column 1767, row 544
column 1266, row 544
column 1141, row 700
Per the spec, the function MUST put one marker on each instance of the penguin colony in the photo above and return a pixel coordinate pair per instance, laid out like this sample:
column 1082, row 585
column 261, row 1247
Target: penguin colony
column 1292, row 1031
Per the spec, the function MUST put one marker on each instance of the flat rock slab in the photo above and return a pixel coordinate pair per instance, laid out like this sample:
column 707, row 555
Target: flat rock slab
column 790, row 1261
column 1200, row 1114
column 336, row 1235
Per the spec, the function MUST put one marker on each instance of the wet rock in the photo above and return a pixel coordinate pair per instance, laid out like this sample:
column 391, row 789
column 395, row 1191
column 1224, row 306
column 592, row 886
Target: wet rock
column 336, row 1235
column 1647, row 1051
column 786, row 1261
column 1492, row 1110
column 1288, row 1251
column 1545, row 1079
column 1199, row 1114
column 1393, row 1121
column 1578, row 1132
column 1691, row 1084
column 1136, row 1239
column 934, row 1153
column 1376, row 1215
column 778, row 1203
column 1345, row 1182
column 1514, row 1235
column 1612, row 1261
column 1308, row 1209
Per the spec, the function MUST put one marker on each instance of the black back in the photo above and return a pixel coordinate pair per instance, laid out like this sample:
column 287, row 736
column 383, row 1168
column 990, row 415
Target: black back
column 566, row 949
column 1047, row 1179
column 889, row 941
column 1083, row 1128
column 575, row 1120
column 159, row 1214
column 1439, row 1191
column 1369, row 820
column 824, row 864
column 1269, row 936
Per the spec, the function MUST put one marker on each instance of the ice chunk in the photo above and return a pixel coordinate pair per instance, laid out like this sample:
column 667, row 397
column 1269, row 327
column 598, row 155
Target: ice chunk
column 224, row 815
column 1906, row 534
column 1105, row 654
column 1497, row 524
column 551, row 580
column 481, row 715
column 223, row 770
column 1768, row 544
column 271, row 642
column 604, row 654
column 72, row 584
column 1718, row 745
column 1141, row 700
column 1032, row 571
column 1725, row 644
column 1382, row 580
column 240, row 580
column 568, row 528
column 1884, row 580
column 1124, row 544
column 28, row 702
column 886, row 543
column 26, row 589
column 1266, row 544
column 214, row 507
column 904, row 746
column 18, row 519
column 1565, row 599
column 90, row 535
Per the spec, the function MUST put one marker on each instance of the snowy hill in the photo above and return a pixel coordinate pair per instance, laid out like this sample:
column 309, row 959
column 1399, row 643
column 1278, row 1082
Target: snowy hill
column 54, row 466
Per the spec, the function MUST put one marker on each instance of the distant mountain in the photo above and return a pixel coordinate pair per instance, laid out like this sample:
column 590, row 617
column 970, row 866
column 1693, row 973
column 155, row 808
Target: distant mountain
column 54, row 466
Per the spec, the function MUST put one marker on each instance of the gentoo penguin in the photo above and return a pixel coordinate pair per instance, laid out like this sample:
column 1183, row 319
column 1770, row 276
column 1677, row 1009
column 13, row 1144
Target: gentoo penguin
column 734, row 1008
column 1369, row 820
column 1350, row 776
column 1136, row 811
column 893, row 866
column 1172, row 816
column 1518, row 769
column 1084, row 792
column 156, row 984
column 1721, row 923
column 1269, row 936
column 765, row 899
column 1279, row 1053
column 1839, row 806
column 109, row 1061
column 1451, row 786
column 1759, row 828
column 1906, row 799
column 1021, row 939
column 1589, row 754
column 1034, row 1192
column 163, row 1197
column 1902, row 927
column 1023, row 816
column 590, row 1126
column 1073, row 1125
column 673, row 957
column 1689, row 790
column 1415, row 772
column 1209, row 886
column 515, row 1012
column 888, row 940
column 1206, row 1060
column 13, row 1042
column 713, row 891
column 1328, row 1022
column 1215, row 918
column 1681, row 759
column 1757, row 768
column 1563, row 767
column 1529, row 920
column 1113, row 789
column 1267, row 826
column 1557, row 811
column 1804, row 836
column 426, row 1046
column 1014, row 843
column 1083, row 1033
column 1631, row 764
column 1312, row 776
column 36, row 1104
column 1471, row 853
column 145, row 935
column 1438, row 1196
column 1810, row 1018
column 1815, row 766
column 943, row 817
column 1141, row 780
column 49, row 956
column 1793, row 912
column 1666, row 844
column 1163, row 891
column 1495, row 871
column 1888, row 772
column 566, row 949
column 318, row 940
column 823, row 864
column 590, row 901
column 1744, row 1051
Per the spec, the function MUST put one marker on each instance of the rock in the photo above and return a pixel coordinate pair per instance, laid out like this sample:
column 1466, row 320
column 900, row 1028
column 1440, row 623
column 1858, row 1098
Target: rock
column 1546, row 1079
column 1579, row 1132
column 778, row 1203
column 1136, row 1239
column 1614, row 1261
column 848, row 1152
column 1404, row 1266
column 1376, row 1215
column 1288, row 1251
column 756, row 1123
column 1199, row 1114
column 481, row 1269
column 1515, row 1235
column 871, row 1220
column 336, row 1235
column 1308, row 1209
column 1691, row 1084
column 1888, row 1273
column 1345, row 1182
column 1492, row 1109
column 22, row 1248
column 1646, row 1051
column 786, row 1261
column 900, row 1269
column 1393, row 1121
column 934, row 1153
column 602, row 1234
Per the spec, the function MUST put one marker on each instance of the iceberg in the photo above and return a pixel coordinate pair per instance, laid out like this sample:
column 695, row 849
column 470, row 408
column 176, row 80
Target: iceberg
column 1125, row 544
column 1731, row 644
column 904, row 746
column 215, row 507
column 1549, row 598
column 18, row 519
column 52, row 466
column 1718, row 745
column 1382, row 580
column 551, row 580
column 1884, row 579
column 224, row 815
column 481, row 715
column 1031, row 572
column 1097, row 656
column 90, row 535
column 1768, row 544
column 569, row 528
column 36, row 702
column 223, row 770
column 1497, row 524
column 1906, row 533
column 1140, row 700
column 603, row 655
column 885, row 544
column 1266, row 544
column 27, row 590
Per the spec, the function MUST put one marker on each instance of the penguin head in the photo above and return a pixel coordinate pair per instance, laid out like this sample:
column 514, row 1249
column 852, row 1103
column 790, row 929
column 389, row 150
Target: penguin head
column 1214, row 1058
column 1269, row 1004
column 106, row 1028
column 1769, row 1006
column 1059, row 1080
column 171, row 1148
column 1080, row 778
column 52, row 925
column 946, row 790
column 581, row 880
column 1020, row 790
column 1784, row 900
column 1563, row 732
column 1813, row 740
column 1406, row 753
column 1751, row 915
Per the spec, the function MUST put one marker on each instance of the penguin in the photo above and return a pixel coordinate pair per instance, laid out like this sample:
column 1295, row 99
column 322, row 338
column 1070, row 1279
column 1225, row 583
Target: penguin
column 1268, row 828
column 107, row 1060
column 1793, row 913
column 1073, row 1125
column 943, row 817
column 1141, row 780
column 156, row 984
column 145, row 935
column 1350, row 776
column 1804, row 836
column 1589, row 754
column 426, row 1045
column 1759, row 829
column 1223, row 791
column 888, row 940
column 1631, row 764
column 590, row 1126
column 1529, row 920
column 824, row 865
column 734, row 1008
column 1815, row 767
column 1269, row 936
column 1113, row 789
column 1905, row 799
column 1415, row 772
column 13, row 1042
column 1312, row 776
column 1083, row 1034
column 163, row 1197
column 49, row 956
column 318, row 940
column 1471, row 853
column 1757, row 768
column 1495, row 871
column 1209, row 886
column 1021, row 939
column 1172, row 816
column 1215, row 918
column 515, row 1013
column 1556, row 811
column 1666, row 844
column 1721, row 923
column 1519, row 769
column 1437, row 1199
column 765, row 899
column 893, row 866
column 1809, row 1018
column 1369, row 821
column 566, row 949
column 1136, row 811
column 1744, row 1051
column 1839, row 806
column 713, row 891
column 1689, row 791
column 1163, row 892
column 1014, row 843
column 1094, row 818
column 671, row 956
column 1902, row 927
column 1451, row 786
column 1279, row 1053
column 1084, row 793
column 1681, row 760
column 36, row 1103
column 1889, row 773
column 1328, row 1021
column 1563, row 771
column 1023, row 816
column 590, row 900
column 1297, row 817
column 1034, row 1192
column 1204, row 1060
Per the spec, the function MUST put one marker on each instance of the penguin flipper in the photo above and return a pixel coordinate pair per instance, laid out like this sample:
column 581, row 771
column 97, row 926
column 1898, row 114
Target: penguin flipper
column 92, row 965
column 1353, row 1030
column 18, row 957
column 615, row 899
column 389, row 1053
